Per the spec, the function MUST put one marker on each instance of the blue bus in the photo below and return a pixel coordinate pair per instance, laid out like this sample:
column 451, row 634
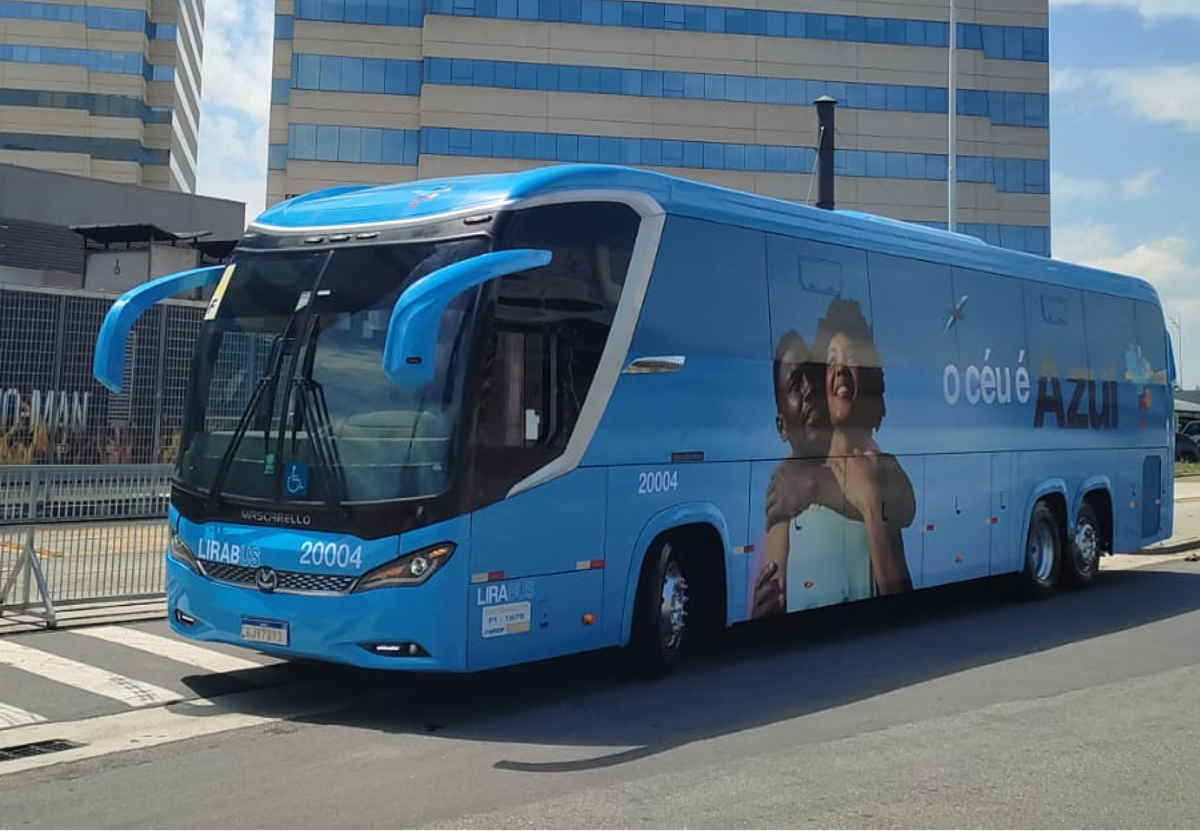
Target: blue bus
column 464, row 423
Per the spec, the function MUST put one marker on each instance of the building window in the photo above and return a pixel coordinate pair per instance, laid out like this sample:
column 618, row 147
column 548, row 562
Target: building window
column 1003, row 108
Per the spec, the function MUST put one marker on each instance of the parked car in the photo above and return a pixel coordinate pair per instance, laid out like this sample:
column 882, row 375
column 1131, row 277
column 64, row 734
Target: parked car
column 1191, row 429
column 1186, row 449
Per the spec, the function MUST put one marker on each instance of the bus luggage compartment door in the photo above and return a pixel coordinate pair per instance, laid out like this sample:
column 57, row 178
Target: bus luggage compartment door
column 537, row 572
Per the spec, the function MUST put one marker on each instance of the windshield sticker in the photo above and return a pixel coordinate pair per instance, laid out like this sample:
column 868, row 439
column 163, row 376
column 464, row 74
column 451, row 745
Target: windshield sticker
column 214, row 302
column 511, row 619
column 302, row 300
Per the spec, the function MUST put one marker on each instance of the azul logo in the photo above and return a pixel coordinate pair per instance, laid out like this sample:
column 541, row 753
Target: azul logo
column 231, row 553
column 990, row 384
column 1101, row 411
column 504, row 592
column 987, row 383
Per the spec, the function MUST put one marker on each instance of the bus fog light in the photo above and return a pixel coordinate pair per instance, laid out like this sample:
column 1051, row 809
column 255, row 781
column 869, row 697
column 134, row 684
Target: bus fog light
column 184, row 618
column 402, row 649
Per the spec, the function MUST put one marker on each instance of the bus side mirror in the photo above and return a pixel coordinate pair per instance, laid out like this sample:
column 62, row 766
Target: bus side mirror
column 108, row 365
column 411, row 343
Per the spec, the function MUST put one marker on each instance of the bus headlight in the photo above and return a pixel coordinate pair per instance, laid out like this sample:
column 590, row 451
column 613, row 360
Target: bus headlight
column 178, row 550
column 410, row 570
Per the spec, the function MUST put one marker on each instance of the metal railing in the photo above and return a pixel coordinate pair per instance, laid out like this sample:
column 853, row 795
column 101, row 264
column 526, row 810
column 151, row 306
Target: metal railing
column 81, row 533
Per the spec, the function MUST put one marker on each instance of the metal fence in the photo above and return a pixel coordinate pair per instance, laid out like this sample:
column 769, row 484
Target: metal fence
column 52, row 411
column 84, row 473
column 81, row 533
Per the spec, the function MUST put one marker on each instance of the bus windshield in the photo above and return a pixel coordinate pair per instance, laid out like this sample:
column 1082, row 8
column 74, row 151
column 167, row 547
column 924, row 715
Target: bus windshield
column 288, row 398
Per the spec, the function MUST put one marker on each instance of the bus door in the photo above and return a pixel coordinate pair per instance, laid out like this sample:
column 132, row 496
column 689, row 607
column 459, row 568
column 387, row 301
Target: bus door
column 537, row 575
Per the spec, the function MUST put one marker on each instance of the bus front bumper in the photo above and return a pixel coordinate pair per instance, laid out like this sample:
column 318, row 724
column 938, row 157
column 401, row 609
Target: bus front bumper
column 419, row 628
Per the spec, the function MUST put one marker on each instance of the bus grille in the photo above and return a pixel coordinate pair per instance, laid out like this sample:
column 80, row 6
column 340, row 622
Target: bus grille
column 290, row 582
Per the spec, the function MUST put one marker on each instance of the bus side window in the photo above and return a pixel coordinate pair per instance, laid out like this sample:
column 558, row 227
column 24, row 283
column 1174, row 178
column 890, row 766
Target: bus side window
column 547, row 334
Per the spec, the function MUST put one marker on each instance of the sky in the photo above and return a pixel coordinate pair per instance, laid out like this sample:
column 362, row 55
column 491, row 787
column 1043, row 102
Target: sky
column 1124, row 138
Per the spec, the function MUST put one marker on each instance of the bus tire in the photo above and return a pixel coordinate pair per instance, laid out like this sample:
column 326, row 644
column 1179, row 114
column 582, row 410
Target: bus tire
column 1081, row 566
column 660, row 632
column 1043, row 553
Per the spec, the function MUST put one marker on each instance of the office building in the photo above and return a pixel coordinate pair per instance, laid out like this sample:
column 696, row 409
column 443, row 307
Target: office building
column 720, row 90
column 103, row 88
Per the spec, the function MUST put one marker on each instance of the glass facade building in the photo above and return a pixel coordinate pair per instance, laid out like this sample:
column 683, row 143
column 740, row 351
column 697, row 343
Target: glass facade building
column 390, row 90
column 109, row 90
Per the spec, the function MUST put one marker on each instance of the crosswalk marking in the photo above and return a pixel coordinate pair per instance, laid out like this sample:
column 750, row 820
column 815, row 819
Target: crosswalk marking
column 11, row 716
column 176, row 650
column 84, row 676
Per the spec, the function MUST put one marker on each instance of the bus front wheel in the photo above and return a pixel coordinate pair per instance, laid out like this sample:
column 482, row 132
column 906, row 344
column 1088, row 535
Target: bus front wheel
column 1043, row 553
column 660, row 612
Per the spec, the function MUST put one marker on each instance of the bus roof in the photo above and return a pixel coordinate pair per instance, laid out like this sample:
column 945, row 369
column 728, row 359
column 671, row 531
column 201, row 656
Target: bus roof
column 366, row 205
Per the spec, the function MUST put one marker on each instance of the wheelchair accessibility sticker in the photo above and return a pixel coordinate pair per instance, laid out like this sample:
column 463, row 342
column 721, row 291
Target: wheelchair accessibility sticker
column 295, row 478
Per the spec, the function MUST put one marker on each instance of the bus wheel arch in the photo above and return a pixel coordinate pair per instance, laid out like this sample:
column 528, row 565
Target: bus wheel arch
column 680, row 593
column 1090, row 538
column 1045, row 545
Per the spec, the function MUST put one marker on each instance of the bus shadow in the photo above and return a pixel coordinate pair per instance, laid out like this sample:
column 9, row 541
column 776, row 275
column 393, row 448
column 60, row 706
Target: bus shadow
column 754, row 675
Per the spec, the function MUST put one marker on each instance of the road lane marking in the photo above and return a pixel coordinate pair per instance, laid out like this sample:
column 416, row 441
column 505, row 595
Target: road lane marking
column 176, row 650
column 84, row 676
column 152, row 726
column 11, row 716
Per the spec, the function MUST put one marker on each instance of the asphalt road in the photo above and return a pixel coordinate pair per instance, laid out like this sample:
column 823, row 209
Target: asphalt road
column 957, row 708
column 964, row 709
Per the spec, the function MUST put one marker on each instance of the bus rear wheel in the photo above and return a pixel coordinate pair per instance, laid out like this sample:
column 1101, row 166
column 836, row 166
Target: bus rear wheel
column 1043, row 553
column 660, row 629
column 1082, row 565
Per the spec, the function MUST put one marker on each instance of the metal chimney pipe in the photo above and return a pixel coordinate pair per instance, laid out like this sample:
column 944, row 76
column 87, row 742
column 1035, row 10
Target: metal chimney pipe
column 825, row 147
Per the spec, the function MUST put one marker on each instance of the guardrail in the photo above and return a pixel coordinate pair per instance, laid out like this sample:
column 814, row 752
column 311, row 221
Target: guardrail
column 81, row 533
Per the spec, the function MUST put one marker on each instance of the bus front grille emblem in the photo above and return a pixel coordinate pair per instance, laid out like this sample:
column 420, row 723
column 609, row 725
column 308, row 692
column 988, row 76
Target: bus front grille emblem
column 266, row 579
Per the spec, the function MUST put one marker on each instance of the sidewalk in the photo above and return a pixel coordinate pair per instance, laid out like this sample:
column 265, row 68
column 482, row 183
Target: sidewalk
column 1184, row 542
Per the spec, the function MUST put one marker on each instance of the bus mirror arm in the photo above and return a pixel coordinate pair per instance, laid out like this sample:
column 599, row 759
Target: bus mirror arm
column 108, row 365
column 411, row 343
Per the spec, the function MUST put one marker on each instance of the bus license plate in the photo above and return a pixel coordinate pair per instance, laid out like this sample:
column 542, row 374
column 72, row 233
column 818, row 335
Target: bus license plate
column 259, row 630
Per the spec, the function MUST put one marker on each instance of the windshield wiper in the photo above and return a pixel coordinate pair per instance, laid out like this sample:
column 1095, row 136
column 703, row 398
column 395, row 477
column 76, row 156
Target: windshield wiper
column 314, row 413
column 267, row 381
column 279, row 351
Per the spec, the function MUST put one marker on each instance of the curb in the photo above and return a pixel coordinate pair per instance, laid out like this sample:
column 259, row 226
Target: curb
column 1189, row 544
column 73, row 616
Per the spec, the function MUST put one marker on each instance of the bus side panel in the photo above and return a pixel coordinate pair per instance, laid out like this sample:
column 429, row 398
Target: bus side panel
column 1038, row 475
column 706, row 303
column 957, row 513
column 515, row 621
column 647, row 500
column 680, row 441
column 1008, row 525
column 536, row 569
column 1127, row 512
column 807, row 568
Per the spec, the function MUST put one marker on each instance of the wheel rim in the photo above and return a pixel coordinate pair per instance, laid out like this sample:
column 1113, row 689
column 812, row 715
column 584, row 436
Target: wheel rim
column 1041, row 551
column 1087, row 547
column 674, row 607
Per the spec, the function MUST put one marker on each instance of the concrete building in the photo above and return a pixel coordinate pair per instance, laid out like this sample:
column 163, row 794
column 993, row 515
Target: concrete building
column 103, row 88
column 71, row 232
column 716, row 90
